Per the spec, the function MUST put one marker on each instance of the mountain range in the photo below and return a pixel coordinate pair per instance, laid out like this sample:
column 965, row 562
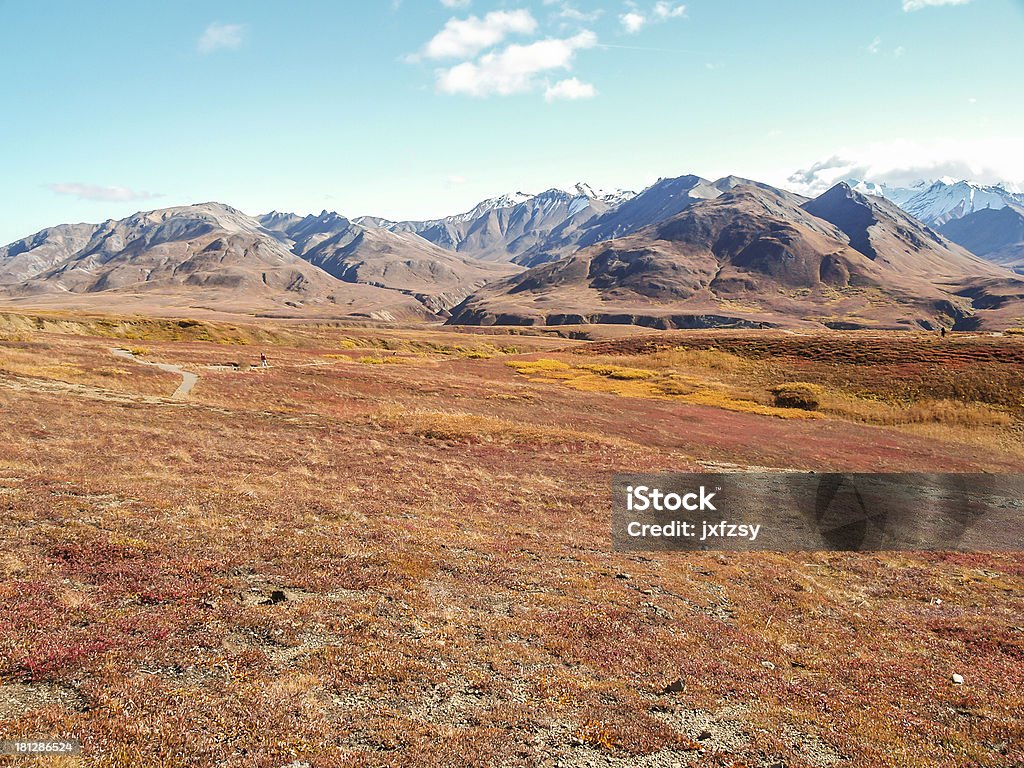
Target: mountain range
column 748, row 257
column 985, row 219
column 685, row 252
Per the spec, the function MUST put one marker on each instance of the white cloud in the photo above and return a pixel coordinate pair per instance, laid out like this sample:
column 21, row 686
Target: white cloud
column 454, row 3
column 665, row 10
column 917, row 5
column 217, row 37
column 515, row 69
column 632, row 22
column 462, row 38
column 98, row 192
column 570, row 90
column 988, row 160
column 876, row 45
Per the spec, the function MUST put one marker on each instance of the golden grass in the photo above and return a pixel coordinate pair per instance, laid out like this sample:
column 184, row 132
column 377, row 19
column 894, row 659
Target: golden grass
column 619, row 372
column 139, row 328
column 661, row 384
column 544, row 365
column 726, row 380
column 719, row 399
column 948, row 412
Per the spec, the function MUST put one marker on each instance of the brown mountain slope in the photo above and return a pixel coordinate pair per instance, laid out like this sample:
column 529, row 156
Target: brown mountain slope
column 401, row 261
column 205, row 256
column 25, row 258
column 747, row 257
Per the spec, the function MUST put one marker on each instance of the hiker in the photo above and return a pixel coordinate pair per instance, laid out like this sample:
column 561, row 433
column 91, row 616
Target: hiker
column 942, row 332
column 263, row 360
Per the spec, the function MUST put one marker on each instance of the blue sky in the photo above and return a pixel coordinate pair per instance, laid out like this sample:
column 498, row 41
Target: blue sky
column 422, row 107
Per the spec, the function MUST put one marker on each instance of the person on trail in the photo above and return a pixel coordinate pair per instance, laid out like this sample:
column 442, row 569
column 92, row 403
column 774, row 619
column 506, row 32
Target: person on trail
column 943, row 333
column 263, row 360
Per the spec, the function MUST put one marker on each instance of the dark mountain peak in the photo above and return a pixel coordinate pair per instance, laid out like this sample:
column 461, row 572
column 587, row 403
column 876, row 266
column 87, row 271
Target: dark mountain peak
column 849, row 210
column 729, row 182
column 842, row 192
column 682, row 183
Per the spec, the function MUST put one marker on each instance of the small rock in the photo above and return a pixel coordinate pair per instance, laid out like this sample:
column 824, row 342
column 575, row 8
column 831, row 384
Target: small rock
column 703, row 735
column 676, row 686
column 277, row 596
column 624, row 576
column 767, row 665
column 958, row 679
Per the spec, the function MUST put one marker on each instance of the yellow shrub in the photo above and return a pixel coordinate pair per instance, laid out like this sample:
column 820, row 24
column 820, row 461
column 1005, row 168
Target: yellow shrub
column 544, row 365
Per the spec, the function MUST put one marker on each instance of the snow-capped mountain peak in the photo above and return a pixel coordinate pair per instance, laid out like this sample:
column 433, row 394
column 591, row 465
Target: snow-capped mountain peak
column 947, row 199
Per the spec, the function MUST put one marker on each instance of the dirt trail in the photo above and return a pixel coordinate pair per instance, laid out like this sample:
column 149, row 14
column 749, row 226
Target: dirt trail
column 188, row 379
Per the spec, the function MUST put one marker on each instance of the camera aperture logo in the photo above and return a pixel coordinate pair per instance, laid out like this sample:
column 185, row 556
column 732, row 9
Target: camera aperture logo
column 643, row 498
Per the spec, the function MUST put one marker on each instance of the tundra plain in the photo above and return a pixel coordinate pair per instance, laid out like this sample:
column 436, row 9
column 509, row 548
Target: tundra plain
column 392, row 548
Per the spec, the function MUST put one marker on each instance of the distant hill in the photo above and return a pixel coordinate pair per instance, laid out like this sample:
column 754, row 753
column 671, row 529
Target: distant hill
column 997, row 234
column 506, row 227
column 397, row 260
column 207, row 256
column 752, row 256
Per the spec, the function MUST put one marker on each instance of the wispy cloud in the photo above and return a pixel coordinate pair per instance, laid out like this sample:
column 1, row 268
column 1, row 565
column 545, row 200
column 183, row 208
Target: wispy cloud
column 99, row 192
column 571, row 89
column 514, row 69
column 462, row 38
column 664, row 10
column 220, row 37
column 917, row 5
column 875, row 48
column 571, row 14
column 454, row 3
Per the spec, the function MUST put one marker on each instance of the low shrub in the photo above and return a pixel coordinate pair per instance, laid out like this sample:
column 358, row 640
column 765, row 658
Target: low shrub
column 797, row 394
column 619, row 372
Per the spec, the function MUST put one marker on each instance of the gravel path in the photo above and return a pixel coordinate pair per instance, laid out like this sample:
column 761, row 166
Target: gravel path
column 188, row 379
